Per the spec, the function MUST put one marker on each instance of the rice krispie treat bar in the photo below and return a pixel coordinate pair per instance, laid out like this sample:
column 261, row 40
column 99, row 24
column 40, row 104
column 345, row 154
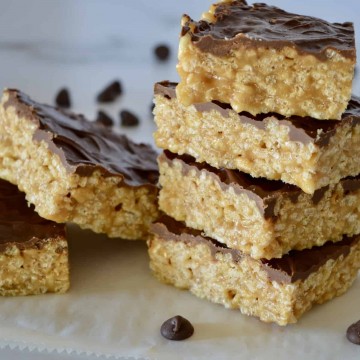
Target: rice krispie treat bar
column 277, row 290
column 74, row 170
column 33, row 251
column 260, row 217
column 262, row 59
column 307, row 153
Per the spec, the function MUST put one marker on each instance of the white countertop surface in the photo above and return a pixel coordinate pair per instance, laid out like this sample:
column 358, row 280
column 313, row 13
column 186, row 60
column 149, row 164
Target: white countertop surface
column 85, row 44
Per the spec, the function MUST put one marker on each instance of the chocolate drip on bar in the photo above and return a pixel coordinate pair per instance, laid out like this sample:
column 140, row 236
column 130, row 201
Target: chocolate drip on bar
column 296, row 265
column 237, row 24
column 20, row 224
column 264, row 192
column 84, row 146
column 301, row 129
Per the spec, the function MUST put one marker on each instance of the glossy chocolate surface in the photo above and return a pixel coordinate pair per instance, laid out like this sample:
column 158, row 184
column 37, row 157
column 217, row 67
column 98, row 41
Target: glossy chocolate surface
column 301, row 129
column 19, row 223
column 297, row 265
column 84, row 146
column 238, row 24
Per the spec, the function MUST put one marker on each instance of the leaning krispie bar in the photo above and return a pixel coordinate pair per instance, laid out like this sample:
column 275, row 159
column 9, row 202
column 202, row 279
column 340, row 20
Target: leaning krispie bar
column 33, row 251
column 262, row 59
column 74, row 170
column 262, row 218
column 277, row 290
column 307, row 153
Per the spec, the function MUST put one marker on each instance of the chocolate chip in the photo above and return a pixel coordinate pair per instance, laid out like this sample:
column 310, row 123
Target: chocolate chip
column 104, row 119
column 63, row 98
column 176, row 328
column 128, row 119
column 152, row 107
column 110, row 93
column 162, row 52
column 353, row 333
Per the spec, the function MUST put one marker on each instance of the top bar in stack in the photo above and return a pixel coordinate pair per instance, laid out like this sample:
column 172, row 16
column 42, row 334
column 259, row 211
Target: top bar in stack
column 262, row 59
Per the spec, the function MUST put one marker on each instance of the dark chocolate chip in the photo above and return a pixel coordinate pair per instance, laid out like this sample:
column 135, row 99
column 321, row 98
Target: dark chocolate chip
column 353, row 333
column 176, row 328
column 128, row 119
column 162, row 52
column 63, row 98
column 110, row 93
column 104, row 119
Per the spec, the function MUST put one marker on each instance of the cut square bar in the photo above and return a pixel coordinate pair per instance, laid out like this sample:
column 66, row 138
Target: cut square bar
column 262, row 59
column 74, row 170
column 278, row 290
column 33, row 251
column 260, row 217
column 307, row 153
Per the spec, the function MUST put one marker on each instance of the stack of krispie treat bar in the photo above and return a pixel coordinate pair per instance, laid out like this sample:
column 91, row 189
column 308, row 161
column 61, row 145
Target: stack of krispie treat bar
column 260, row 174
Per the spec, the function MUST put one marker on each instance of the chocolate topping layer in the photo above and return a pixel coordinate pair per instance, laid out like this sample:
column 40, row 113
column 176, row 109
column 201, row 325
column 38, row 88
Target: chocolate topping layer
column 20, row 224
column 297, row 265
column 301, row 129
column 264, row 192
column 84, row 146
column 259, row 25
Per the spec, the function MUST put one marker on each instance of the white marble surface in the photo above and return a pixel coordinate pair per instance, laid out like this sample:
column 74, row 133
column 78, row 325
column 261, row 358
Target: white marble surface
column 84, row 44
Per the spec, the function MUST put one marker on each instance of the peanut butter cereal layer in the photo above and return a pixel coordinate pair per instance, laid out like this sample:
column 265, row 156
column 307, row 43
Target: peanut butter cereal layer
column 77, row 171
column 260, row 217
column 33, row 251
column 262, row 59
column 277, row 290
column 301, row 151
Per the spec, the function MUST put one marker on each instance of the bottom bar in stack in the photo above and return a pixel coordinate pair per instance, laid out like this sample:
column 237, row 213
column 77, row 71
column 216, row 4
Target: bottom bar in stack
column 276, row 290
